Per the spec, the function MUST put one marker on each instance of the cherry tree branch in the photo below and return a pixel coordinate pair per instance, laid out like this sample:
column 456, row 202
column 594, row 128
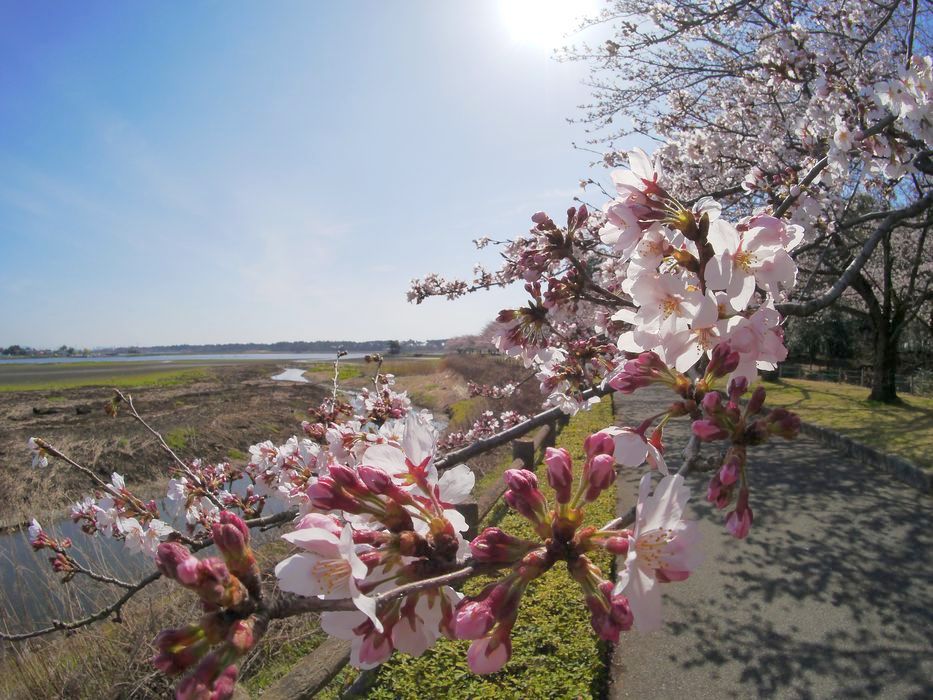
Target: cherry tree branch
column 112, row 609
column 890, row 222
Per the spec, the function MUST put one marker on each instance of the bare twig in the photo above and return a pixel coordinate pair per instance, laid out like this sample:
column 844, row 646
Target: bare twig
column 112, row 609
column 128, row 400
column 55, row 452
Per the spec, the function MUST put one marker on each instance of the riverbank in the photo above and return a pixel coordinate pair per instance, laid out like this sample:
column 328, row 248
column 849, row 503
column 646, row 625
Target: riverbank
column 211, row 411
column 59, row 666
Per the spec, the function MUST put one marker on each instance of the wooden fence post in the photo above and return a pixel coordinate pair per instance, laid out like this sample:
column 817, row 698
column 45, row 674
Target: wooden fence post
column 525, row 451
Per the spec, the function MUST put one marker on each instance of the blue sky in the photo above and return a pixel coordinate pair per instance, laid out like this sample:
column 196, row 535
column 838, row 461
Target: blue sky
column 228, row 171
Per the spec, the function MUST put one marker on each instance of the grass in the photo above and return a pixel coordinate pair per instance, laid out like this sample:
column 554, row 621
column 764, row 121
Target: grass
column 904, row 429
column 111, row 660
column 463, row 412
column 234, row 453
column 404, row 367
column 555, row 653
column 166, row 378
column 179, row 438
column 346, row 371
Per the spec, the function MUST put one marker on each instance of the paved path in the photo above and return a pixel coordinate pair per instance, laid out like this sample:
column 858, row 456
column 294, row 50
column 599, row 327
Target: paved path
column 831, row 595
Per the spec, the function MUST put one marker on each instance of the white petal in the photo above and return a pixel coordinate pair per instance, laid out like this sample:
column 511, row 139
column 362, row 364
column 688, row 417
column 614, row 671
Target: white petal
column 456, row 484
column 341, row 624
column 418, row 442
column 665, row 507
column 644, row 599
column 387, row 457
column 630, row 448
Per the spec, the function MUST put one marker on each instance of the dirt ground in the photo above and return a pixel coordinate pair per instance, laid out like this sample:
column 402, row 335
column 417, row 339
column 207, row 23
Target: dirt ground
column 215, row 417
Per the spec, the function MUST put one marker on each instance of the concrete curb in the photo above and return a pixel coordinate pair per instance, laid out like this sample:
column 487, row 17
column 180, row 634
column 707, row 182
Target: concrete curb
column 902, row 469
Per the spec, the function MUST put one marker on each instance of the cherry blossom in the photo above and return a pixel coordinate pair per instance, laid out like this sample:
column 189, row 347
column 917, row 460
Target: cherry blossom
column 662, row 547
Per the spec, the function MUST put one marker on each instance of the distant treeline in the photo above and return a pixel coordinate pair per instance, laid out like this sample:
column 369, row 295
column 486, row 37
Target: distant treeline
column 289, row 346
column 295, row 346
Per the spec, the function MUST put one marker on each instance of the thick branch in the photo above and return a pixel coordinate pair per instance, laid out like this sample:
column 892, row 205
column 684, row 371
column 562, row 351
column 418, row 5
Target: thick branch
column 845, row 280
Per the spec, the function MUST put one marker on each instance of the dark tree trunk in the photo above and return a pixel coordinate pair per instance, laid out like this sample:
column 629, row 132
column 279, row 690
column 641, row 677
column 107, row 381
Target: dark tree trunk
column 883, row 386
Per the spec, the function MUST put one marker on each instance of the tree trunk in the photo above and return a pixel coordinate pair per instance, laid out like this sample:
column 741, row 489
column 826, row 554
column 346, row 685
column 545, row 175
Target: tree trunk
column 883, row 386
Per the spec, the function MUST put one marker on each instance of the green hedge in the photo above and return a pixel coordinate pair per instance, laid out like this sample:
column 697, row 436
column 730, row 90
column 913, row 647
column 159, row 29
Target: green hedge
column 554, row 651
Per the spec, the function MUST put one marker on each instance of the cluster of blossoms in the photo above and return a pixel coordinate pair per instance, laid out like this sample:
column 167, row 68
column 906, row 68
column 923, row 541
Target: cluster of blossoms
column 491, row 392
column 694, row 277
column 662, row 547
column 647, row 292
column 486, row 425
column 840, row 78
column 62, row 562
column 727, row 420
column 116, row 512
column 388, row 520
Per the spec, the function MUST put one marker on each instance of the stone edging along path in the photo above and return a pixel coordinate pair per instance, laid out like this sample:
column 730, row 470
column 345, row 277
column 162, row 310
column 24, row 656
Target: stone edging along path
column 902, row 469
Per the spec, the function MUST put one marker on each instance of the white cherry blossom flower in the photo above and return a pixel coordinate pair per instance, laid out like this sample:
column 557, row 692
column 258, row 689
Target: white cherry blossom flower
column 663, row 547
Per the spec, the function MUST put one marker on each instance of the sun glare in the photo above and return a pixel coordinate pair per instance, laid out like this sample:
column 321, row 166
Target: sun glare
column 543, row 22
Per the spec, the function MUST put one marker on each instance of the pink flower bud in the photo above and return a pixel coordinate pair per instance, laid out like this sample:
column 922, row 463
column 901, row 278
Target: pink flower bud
column 609, row 614
column 493, row 546
column 559, row 472
column 617, row 545
column 628, row 383
column 707, row 430
column 346, row 477
column 739, row 521
column 490, row 654
column 756, row 401
column 170, row 556
column 241, row 636
column 599, row 444
column 523, row 495
column 599, row 476
column 521, row 480
column 326, row 494
column 737, row 387
column 711, row 403
column 473, row 620
column 376, row 479
column 723, row 360
column 582, row 215
column 729, row 472
column 232, row 539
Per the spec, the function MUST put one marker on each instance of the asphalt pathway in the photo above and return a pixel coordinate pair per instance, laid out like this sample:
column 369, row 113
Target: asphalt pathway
column 830, row 596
